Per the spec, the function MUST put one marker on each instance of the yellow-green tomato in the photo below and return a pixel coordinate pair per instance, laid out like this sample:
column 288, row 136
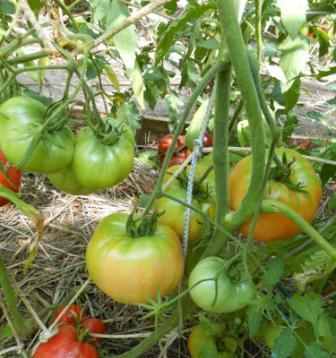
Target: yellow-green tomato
column 173, row 213
column 212, row 289
column 132, row 269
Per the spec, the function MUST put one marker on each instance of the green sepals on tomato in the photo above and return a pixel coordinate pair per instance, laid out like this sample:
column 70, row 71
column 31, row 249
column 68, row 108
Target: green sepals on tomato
column 10, row 177
column 21, row 120
column 132, row 269
column 66, row 343
column 302, row 193
column 212, row 288
column 73, row 314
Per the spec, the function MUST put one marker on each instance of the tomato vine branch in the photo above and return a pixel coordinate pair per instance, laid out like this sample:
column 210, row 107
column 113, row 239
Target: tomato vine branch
column 273, row 206
column 240, row 62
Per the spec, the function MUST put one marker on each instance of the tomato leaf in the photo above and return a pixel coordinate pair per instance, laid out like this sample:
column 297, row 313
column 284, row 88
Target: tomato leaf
column 308, row 307
column 293, row 15
column 314, row 350
column 194, row 11
column 209, row 350
column 254, row 317
column 293, row 58
column 284, row 345
column 274, row 271
column 292, row 95
column 328, row 172
column 35, row 5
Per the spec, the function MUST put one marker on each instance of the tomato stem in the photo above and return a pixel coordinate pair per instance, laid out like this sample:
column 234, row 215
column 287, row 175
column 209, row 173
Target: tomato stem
column 218, row 66
column 240, row 62
column 10, row 299
column 272, row 206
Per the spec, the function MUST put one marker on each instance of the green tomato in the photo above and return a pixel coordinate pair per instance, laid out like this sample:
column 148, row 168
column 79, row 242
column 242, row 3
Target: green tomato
column 211, row 287
column 97, row 165
column 21, row 119
column 64, row 180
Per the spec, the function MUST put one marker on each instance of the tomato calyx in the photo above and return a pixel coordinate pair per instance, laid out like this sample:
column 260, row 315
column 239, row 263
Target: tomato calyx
column 109, row 133
column 139, row 226
column 281, row 171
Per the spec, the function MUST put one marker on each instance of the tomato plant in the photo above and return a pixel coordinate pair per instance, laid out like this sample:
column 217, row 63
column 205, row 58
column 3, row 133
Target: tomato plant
column 131, row 269
column 10, row 178
column 213, row 290
column 181, row 151
column 21, row 119
column 66, row 344
column 301, row 191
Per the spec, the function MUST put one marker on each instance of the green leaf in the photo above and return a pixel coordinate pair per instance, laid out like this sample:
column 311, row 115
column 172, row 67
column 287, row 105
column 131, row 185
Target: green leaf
column 138, row 85
column 173, row 105
column 284, row 345
column 307, row 307
column 6, row 7
column 195, row 126
column 293, row 15
column 35, row 5
column 274, row 271
column 166, row 40
column 314, row 350
column 208, row 350
column 125, row 42
column 254, row 318
column 316, row 116
column 328, row 172
column 112, row 77
column 208, row 44
column 323, row 40
column 292, row 95
column 290, row 124
column 293, row 58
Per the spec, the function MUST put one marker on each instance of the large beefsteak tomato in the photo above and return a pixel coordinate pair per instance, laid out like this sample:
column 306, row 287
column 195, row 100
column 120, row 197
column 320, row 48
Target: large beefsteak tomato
column 304, row 199
column 132, row 269
column 21, row 119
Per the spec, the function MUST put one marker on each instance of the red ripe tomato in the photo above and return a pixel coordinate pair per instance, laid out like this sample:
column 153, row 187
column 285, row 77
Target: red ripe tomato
column 71, row 315
column 65, row 344
column 181, row 151
column 13, row 174
column 207, row 140
column 94, row 325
